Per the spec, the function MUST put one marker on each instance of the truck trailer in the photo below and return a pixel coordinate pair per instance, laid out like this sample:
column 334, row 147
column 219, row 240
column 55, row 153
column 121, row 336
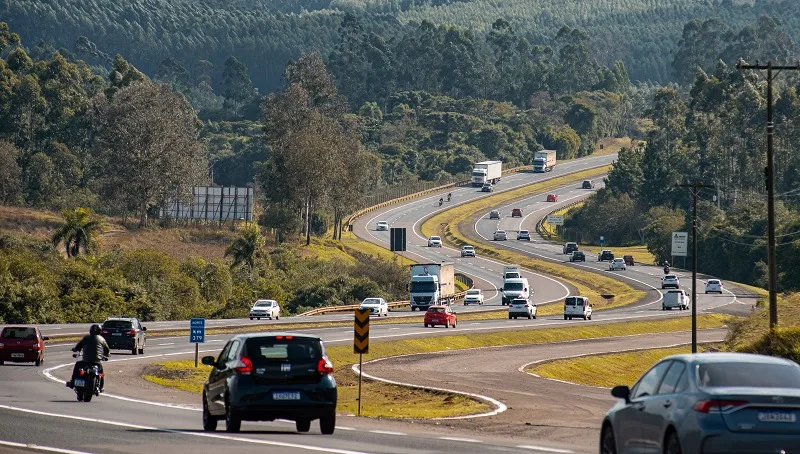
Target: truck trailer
column 544, row 161
column 486, row 172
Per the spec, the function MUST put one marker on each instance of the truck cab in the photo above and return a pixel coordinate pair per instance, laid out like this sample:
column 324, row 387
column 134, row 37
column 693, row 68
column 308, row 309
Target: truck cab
column 544, row 161
column 515, row 288
column 431, row 284
column 424, row 291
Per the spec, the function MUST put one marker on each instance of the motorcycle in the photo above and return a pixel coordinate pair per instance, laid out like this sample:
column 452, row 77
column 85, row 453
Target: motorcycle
column 449, row 196
column 666, row 269
column 87, row 383
column 441, row 201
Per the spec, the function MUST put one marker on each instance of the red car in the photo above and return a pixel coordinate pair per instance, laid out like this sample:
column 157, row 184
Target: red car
column 440, row 315
column 516, row 213
column 552, row 197
column 22, row 344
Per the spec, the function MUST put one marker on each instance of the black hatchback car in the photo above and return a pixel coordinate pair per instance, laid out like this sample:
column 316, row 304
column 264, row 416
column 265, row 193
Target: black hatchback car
column 577, row 256
column 124, row 334
column 267, row 376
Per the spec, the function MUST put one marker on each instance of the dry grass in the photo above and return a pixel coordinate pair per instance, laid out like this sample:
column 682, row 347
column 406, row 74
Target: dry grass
column 745, row 333
column 179, row 243
column 613, row 145
column 37, row 223
column 350, row 242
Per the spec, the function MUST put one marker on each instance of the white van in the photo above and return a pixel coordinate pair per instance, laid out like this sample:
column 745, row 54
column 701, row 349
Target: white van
column 515, row 288
column 577, row 306
column 675, row 298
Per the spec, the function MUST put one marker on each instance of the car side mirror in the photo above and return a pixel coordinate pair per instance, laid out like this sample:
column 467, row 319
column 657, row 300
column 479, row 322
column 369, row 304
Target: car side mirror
column 622, row 392
column 144, row 329
column 46, row 338
column 208, row 361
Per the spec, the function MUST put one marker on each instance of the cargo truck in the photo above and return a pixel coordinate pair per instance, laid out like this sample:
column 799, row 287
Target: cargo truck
column 511, row 272
column 431, row 284
column 486, row 172
column 544, row 161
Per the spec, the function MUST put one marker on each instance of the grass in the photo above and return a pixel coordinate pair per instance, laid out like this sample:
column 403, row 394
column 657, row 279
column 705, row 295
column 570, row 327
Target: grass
column 351, row 243
column 746, row 334
column 613, row 145
column 382, row 400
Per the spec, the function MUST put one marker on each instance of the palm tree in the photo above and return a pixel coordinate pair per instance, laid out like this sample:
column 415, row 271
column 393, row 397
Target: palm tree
column 80, row 231
column 247, row 247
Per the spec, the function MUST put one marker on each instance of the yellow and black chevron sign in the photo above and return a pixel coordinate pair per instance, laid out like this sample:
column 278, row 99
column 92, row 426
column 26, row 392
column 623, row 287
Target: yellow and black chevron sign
column 361, row 332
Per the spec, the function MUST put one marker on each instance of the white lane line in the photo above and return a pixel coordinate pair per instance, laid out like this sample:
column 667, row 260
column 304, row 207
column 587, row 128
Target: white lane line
column 182, row 432
column 546, row 449
column 387, row 432
column 168, row 343
column 465, row 440
column 344, row 428
column 39, row 447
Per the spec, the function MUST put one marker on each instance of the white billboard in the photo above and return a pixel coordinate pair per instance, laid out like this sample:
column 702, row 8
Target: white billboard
column 553, row 219
column 214, row 203
column 680, row 244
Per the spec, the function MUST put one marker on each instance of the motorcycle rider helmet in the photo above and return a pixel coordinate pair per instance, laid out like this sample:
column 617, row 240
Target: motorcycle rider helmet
column 94, row 330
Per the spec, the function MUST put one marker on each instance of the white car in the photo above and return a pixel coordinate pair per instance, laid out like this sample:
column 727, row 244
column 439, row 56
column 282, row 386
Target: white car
column 617, row 264
column 467, row 251
column 473, row 296
column 675, row 298
column 376, row 305
column 382, row 225
column 577, row 306
column 265, row 309
column 521, row 307
column 714, row 286
column 670, row 280
column 500, row 235
column 435, row 241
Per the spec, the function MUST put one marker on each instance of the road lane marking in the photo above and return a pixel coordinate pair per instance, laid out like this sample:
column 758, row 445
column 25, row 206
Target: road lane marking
column 168, row 343
column 465, row 440
column 39, row 447
column 546, row 449
column 387, row 432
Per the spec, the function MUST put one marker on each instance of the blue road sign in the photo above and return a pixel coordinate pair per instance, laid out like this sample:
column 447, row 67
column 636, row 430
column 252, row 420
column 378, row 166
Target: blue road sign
column 197, row 330
column 602, row 240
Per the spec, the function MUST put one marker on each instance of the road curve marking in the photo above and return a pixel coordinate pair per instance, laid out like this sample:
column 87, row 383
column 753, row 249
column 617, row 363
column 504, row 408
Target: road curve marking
column 546, row 449
column 388, row 432
column 36, row 447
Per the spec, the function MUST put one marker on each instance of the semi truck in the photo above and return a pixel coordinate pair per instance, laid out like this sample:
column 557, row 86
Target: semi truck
column 486, row 172
column 432, row 284
column 544, row 161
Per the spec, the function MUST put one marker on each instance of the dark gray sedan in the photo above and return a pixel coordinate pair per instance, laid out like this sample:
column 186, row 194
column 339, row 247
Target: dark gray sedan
column 708, row 403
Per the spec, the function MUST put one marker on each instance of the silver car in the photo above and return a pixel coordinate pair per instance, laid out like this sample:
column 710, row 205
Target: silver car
column 709, row 403
column 500, row 235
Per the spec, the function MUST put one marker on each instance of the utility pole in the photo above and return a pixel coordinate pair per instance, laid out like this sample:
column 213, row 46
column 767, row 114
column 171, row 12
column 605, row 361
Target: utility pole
column 695, row 187
column 772, row 264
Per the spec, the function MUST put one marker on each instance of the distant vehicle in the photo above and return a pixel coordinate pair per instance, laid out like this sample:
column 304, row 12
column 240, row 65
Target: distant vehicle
column 500, row 235
column 552, row 197
column 381, row 225
column 22, row 344
column 486, row 172
column 670, row 280
column 487, row 187
column 431, row 284
column 524, row 235
column 569, row 247
column 124, row 333
column 587, row 184
column 377, row 306
column 269, row 376
column 473, row 296
column 628, row 260
column 605, row 256
column 675, row 298
column 435, row 241
column 577, row 256
column 494, row 214
column 515, row 288
column 511, row 272
column 467, row 251
column 714, row 286
column 521, row 307
column 266, row 309
column 440, row 315
column 577, row 307
column 617, row 265
column 516, row 213
column 707, row 403
column 544, row 161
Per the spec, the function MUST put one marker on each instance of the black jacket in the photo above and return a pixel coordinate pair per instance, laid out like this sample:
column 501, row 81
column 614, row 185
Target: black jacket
column 94, row 348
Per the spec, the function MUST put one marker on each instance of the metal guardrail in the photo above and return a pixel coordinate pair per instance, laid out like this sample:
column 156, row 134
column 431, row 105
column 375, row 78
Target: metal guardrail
column 544, row 233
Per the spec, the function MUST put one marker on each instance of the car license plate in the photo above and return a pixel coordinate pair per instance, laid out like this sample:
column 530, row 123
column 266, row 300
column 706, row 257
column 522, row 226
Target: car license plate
column 286, row 395
column 79, row 382
column 777, row 416
column 116, row 334
column 434, row 319
column 18, row 355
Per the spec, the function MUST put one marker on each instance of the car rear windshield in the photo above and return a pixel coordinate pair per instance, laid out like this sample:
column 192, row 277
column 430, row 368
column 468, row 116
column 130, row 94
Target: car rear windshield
column 674, row 291
column 574, row 301
column 262, row 350
column 117, row 324
column 523, row 232
column 263, row 304
column 755, row 375
column 713, row 282
column 18, row 333
column 512, row 286
column 436, row 309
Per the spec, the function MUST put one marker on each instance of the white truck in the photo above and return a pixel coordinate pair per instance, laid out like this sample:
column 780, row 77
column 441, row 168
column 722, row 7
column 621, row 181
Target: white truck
column 431, row 284
column 486, row 172
column 511, row 272
column 544, row 161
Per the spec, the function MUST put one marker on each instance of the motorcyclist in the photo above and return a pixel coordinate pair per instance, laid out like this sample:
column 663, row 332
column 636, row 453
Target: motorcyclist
column 94, row 348
column 666, row 267
column 441, row 201
column 449, row 196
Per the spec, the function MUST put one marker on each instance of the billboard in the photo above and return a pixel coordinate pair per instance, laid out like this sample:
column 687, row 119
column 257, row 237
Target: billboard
column 214, row 203
column 680, row 243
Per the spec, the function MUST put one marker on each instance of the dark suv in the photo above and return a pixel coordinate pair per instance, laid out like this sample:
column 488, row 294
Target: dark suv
column 605, row 256
column 124, row 334
column 263, row 377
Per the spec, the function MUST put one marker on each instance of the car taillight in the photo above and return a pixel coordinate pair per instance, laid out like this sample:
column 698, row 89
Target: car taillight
column 2, row 345
column 245, row 366
column 36, row 347
column 284, row 337
column 718, row 406
column 325, row 366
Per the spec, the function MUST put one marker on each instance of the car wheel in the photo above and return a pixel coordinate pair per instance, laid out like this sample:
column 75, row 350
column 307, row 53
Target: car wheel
column 608, row 445
column 233, row 423
column 277, row 317
column 510, row 317
column 1, row 362
column 257, row 318
column 590, row 317
column 251, row 318
column 209, row 421
column 141, row 350
column 565, row 317
column 530, row 316
column 447, row 324
column 534, row 316
column 303, row 425
column 673, row 445
column 426, row 325
column 135, row 349
column 38, row 362
column 327, row 423
column 413, row 308
column 455, row 323
column 584, row 317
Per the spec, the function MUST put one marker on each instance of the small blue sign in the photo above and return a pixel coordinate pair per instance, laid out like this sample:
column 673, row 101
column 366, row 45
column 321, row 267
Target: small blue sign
column 197, row 330
column 602, row 240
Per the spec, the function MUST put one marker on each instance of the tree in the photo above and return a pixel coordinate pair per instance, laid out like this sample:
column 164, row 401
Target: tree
column 625, row 176
column 146, row 147
column 79, row 231
column 658, row 232
column 10, row 174
column 247, row 247
column 236, row 83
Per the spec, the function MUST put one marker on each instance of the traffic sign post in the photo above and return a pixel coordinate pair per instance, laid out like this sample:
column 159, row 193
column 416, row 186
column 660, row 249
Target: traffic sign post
column 680, row 244
column 602, row 240
column 361, row 343
column 197, row 335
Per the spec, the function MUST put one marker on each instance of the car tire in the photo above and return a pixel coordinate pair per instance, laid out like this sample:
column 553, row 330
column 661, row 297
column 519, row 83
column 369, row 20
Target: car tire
column 233, row 423
column 426, row 325
column 584, row 317
column 209, row 421
column 413, row 308
column 277, row 317
column 327, row 423
column 251, row 318
column 589, row 317
column 530, row 316
column 455, row 323
column 2, row 362
column 565, row 317
column 447, row 324
column 510, row 317
column 303, row 425
column 135, row 349
column 38, row 362
column 608, row 444
column 141, row 350
column 672, row 445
